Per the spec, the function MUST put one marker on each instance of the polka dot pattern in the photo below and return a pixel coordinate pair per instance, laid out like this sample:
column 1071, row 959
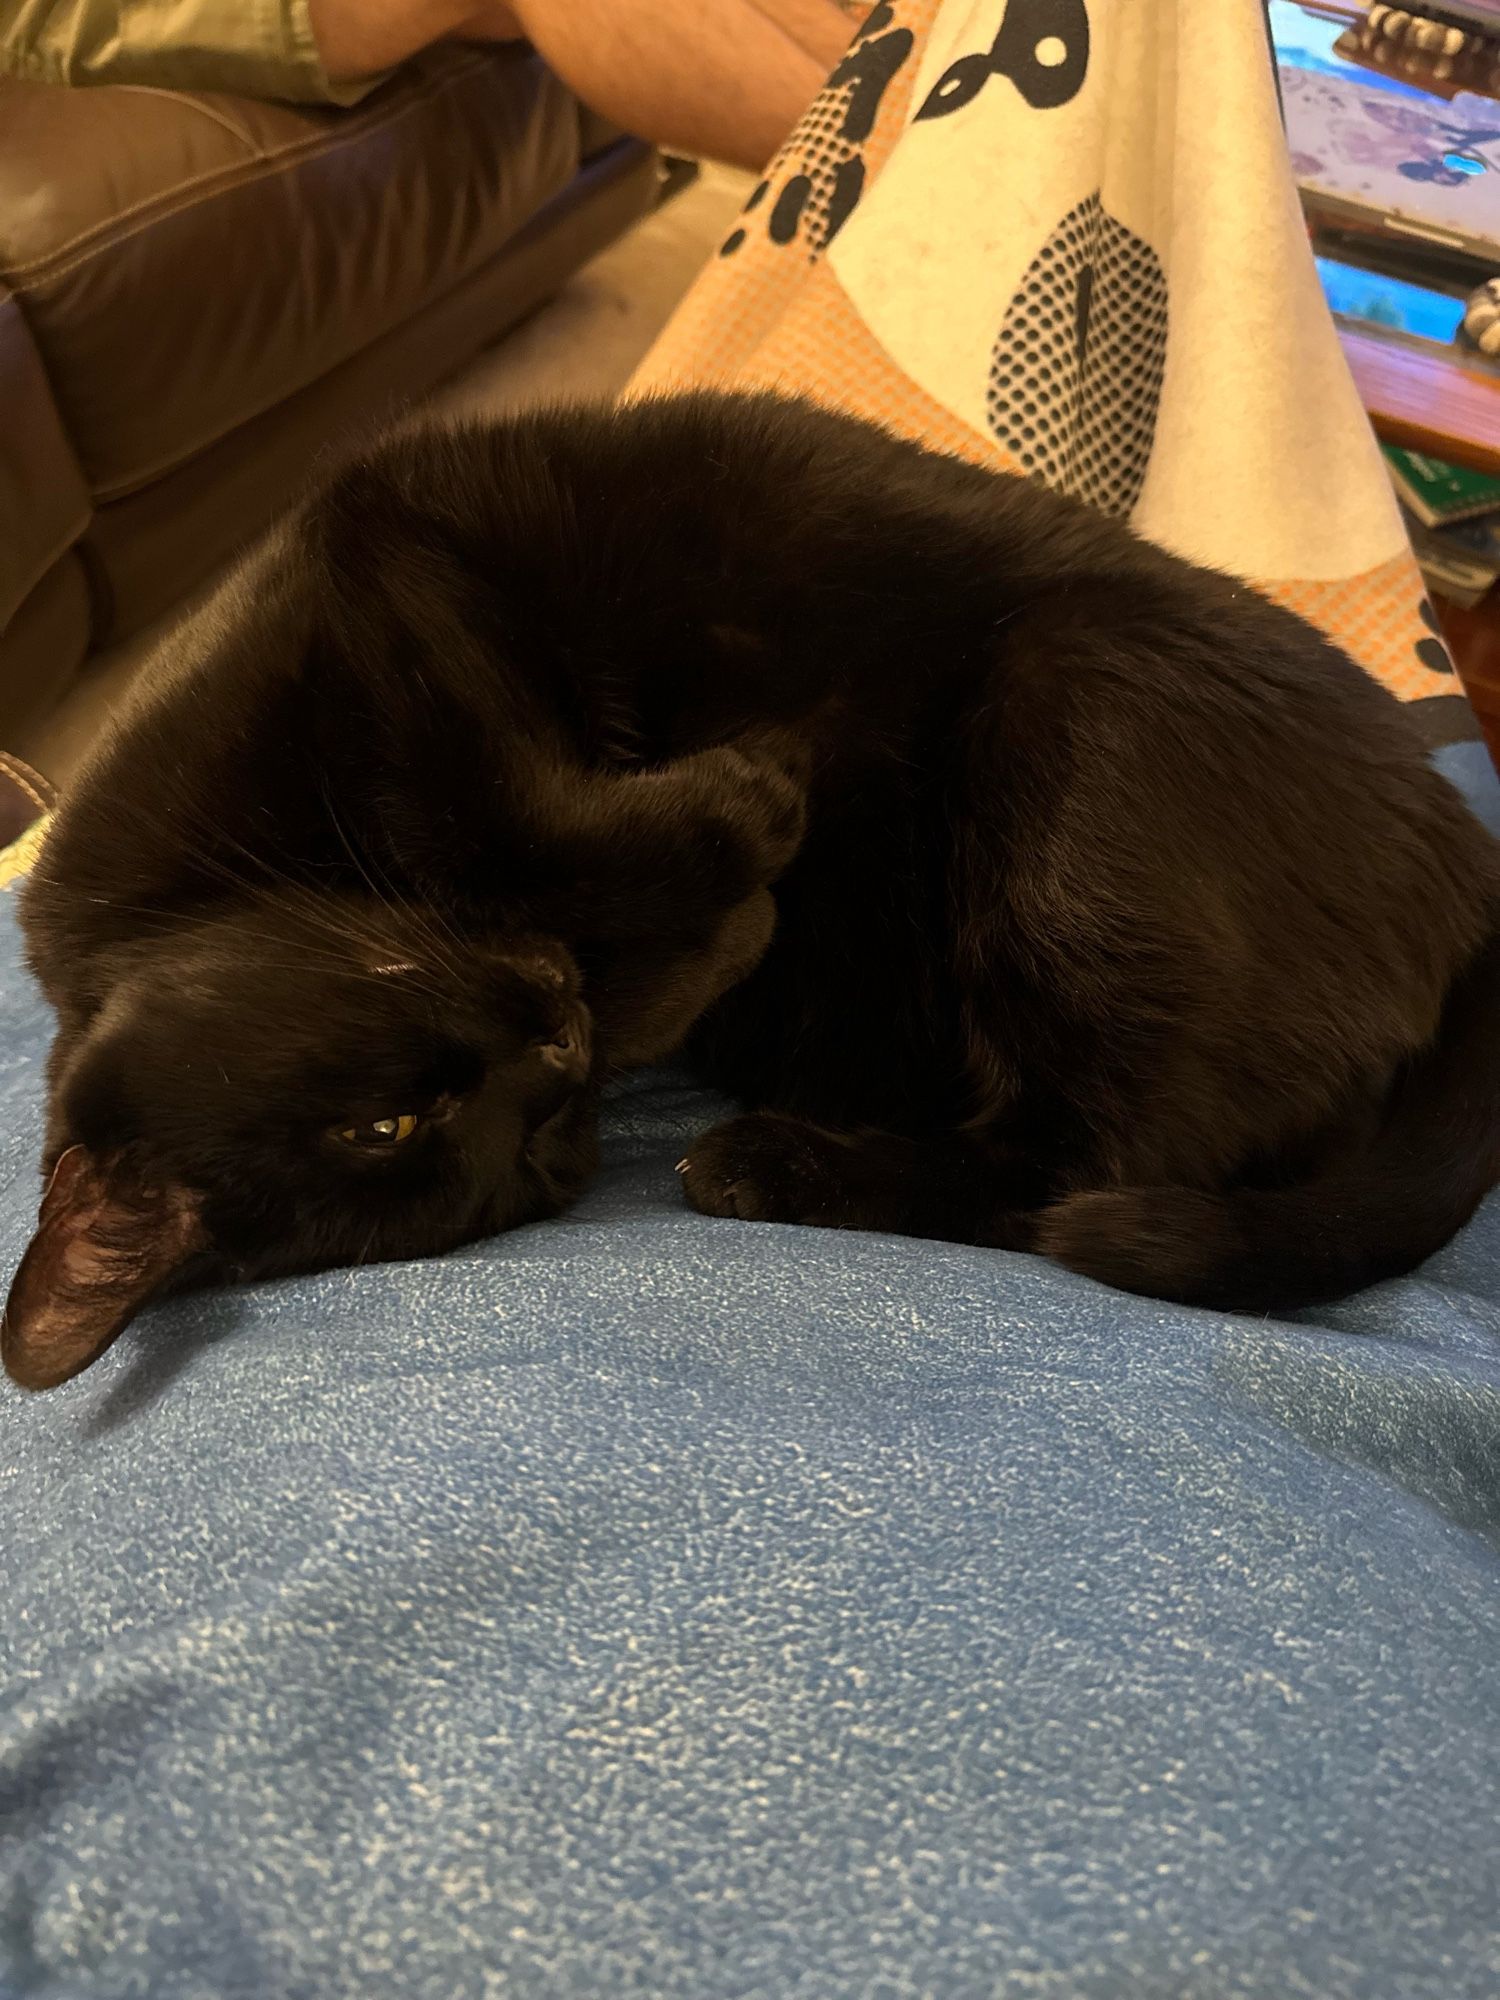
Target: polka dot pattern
column 768, row 316
column 823, row 349
column 1076, row 374
column 824, row 150
column 1377, row 617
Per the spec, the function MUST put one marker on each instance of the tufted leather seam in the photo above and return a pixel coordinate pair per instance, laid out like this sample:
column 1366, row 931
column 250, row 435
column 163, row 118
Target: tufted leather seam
column 142, row 480
column 202, row 106
column 39, row 566
column 107, row 236
column 70, row 535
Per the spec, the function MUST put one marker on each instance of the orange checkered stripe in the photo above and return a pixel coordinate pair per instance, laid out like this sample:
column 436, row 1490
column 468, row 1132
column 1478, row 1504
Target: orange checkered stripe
column 720, row 333
column 1377, row 619
column 772, row 315
column 814, row 343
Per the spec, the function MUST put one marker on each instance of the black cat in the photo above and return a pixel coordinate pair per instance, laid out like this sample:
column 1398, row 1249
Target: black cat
column 1031, row 886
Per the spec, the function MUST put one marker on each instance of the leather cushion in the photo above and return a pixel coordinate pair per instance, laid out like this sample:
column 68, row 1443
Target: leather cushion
column 44, row 500
column 41, row 649
column 186, row 262
column 147, row 548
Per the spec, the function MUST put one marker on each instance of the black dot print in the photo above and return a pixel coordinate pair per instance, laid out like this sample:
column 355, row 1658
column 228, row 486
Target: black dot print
column 791, row 204
column 829, row 171
column 1075, row 379
column 1432, row 652
column 825, row 150
column 1042, row 47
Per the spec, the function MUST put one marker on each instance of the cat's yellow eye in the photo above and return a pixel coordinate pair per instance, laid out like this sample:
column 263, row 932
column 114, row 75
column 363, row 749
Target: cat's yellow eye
column 379, row 1132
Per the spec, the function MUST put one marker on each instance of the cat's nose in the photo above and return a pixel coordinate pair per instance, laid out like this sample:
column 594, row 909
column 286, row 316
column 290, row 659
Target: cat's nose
column 568, row 1049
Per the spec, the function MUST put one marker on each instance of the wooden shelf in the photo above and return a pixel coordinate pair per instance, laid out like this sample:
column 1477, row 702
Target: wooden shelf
column 1427, row 401
column 1431, row 402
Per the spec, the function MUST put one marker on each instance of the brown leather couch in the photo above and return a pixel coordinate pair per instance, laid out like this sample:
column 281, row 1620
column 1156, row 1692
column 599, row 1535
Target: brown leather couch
column 197, row 293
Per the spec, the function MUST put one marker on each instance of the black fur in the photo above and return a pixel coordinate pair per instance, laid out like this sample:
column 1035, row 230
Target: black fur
column 1116, row 912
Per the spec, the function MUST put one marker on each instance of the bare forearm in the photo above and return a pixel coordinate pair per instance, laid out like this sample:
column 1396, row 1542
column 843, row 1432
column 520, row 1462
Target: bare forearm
column 726, row 78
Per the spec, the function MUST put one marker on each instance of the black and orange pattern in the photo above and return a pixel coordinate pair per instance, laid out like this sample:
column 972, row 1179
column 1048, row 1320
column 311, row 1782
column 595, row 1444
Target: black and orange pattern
column 1073, row 404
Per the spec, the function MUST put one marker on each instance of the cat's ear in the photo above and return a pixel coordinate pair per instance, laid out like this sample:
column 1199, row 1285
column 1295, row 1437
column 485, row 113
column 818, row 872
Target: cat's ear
column 105, row 1243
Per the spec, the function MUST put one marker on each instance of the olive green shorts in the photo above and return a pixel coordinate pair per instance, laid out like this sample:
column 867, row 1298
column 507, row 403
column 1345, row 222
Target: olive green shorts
column 255, row 48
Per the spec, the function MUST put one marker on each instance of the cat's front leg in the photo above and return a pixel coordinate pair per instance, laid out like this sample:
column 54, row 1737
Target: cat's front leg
column 767, row 1167
column 759, row 783
column 661, row 879
column 665, row 853
column 651, row 998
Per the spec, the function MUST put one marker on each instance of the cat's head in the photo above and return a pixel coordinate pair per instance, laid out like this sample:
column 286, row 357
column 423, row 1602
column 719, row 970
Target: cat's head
column 290, row 1087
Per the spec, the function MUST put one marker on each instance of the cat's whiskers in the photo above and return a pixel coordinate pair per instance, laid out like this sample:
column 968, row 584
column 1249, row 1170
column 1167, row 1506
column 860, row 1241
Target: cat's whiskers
column 384, row 893
column 271, row 875
column 323, row 914
column 265, row 878
column 364, row 960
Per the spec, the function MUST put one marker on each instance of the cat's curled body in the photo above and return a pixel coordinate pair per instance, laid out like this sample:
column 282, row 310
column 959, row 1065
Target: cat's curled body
column 1027, row 885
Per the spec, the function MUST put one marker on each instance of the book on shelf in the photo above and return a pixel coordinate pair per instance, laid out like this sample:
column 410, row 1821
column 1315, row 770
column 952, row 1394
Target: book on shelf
column 1459, row 562
column 1437, row 493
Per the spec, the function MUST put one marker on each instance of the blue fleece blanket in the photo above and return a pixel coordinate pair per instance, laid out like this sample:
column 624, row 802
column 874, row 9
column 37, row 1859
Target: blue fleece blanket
column 644, row 1605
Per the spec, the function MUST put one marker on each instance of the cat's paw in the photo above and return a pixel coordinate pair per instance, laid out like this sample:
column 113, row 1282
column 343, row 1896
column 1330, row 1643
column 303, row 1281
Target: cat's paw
column 759, row 786
column 764, row 1168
